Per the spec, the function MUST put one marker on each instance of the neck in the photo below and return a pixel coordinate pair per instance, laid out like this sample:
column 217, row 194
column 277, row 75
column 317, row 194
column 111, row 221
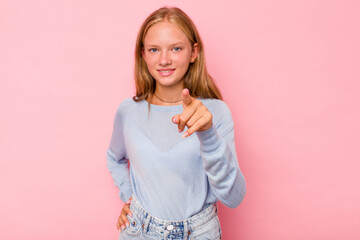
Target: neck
column 168, row 96
column 166, row 101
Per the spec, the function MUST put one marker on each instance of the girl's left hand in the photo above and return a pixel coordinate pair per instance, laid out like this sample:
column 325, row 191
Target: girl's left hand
column 195, row 115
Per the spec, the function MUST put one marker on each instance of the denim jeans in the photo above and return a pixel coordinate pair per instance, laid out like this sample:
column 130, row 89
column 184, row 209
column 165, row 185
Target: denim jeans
column 204, row 225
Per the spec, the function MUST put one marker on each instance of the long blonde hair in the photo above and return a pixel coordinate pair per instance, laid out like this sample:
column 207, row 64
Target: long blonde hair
column 196, row 79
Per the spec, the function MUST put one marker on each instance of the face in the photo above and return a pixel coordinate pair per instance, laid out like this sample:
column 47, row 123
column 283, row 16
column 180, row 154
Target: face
column 167, row 53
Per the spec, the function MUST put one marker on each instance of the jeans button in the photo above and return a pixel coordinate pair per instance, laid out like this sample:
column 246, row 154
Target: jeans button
column 170, row 227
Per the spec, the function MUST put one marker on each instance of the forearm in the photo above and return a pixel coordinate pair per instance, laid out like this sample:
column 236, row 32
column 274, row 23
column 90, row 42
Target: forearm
column 120, row 174
column 221, row 166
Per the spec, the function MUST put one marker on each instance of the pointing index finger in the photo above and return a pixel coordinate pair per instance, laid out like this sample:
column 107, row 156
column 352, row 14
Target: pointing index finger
column 186, row 98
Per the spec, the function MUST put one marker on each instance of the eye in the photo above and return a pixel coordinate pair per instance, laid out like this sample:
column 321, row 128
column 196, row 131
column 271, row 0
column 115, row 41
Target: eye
column 153, row 50
column 176, row 49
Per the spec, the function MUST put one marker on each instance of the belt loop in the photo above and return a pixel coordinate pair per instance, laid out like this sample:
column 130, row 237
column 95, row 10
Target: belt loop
column 146, row 224
column 186, row 230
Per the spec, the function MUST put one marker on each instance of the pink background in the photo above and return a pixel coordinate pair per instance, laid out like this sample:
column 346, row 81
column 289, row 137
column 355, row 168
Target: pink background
column 289, row 71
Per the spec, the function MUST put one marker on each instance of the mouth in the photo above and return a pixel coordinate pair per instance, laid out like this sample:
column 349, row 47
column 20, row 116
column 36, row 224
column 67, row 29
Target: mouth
column 166, row 72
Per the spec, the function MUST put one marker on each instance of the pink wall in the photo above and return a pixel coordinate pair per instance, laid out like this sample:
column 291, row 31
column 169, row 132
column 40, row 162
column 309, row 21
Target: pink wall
column 289, row 70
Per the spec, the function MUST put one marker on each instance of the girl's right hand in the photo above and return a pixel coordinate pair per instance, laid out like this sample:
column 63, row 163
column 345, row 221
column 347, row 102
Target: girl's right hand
column 122, row 220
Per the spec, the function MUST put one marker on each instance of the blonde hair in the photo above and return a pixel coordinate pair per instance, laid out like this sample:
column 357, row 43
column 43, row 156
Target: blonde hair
column 196, row 79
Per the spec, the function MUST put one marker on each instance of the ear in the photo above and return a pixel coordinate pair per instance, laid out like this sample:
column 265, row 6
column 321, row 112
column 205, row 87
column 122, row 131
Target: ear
column 194, row 53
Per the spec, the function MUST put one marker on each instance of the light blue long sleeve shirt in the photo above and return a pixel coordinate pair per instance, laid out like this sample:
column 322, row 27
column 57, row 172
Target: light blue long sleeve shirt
column 174, row 178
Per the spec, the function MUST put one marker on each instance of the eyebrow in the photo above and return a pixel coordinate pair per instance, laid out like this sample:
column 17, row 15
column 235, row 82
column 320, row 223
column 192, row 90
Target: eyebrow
column 154, row 45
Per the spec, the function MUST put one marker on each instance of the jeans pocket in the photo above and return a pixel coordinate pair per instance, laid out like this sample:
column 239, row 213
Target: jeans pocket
column 209, row 231
column 135, row 226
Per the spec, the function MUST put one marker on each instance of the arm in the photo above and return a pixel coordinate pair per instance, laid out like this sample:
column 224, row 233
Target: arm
column 117, row 161
column 217, row 146
column 217, row 149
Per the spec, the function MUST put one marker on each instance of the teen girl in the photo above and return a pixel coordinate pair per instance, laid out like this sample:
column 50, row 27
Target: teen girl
column 178, row 136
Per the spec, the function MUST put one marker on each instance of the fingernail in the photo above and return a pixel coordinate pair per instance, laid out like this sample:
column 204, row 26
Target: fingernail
column 187, row 90
column 130, row 214
column 127, row 225
column 128, row 202
column 173, row 120
column 122, row 227
column 179, row 130
column 185, row 135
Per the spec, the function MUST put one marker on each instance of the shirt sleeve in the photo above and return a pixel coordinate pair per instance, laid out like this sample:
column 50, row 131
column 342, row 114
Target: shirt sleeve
column 218, row 152
column 117, row 161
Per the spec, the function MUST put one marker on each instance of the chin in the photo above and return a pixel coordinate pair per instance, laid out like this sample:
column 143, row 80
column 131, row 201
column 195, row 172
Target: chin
column 167, row 82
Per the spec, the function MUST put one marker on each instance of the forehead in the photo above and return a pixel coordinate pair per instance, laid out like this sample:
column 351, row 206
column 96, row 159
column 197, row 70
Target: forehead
column 164, row 33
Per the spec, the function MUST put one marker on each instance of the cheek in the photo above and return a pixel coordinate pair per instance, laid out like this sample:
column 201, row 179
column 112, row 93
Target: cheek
column 149, row 62
column 182, row 60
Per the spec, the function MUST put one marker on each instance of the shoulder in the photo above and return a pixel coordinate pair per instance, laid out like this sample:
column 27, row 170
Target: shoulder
column 126, row 106
column 222, row 118
column 216, row 106
column 220, row 111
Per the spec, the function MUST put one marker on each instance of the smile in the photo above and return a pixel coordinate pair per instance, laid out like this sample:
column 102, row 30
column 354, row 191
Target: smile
column 165, row 72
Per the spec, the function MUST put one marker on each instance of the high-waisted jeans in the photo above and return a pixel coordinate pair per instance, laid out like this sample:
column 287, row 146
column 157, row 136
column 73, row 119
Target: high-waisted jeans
column 204, row 225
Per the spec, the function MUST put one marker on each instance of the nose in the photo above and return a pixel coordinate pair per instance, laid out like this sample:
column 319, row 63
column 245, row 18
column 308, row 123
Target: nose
column 165, row 58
